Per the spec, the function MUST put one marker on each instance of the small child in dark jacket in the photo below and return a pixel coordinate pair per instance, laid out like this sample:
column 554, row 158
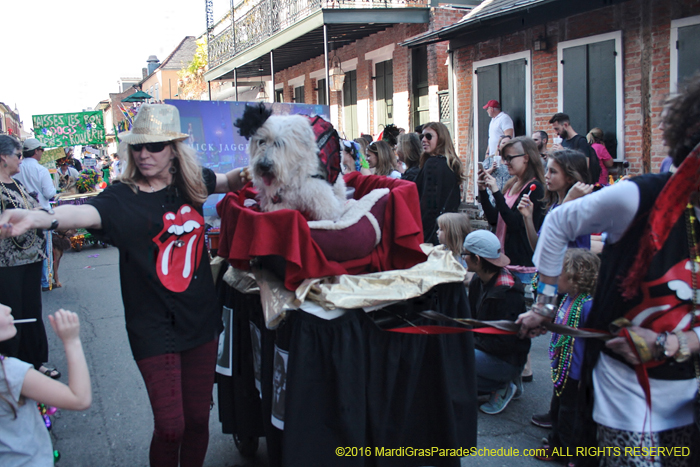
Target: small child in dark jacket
column 495, row 294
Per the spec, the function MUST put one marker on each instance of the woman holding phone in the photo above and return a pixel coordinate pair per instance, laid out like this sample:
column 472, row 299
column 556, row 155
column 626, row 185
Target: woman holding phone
column 524, row 164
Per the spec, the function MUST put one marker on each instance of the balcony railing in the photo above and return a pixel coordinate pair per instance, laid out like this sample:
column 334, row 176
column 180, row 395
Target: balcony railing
column 254, row 24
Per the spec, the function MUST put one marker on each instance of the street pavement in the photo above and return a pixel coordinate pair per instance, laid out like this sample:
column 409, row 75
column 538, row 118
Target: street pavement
column 116, row 430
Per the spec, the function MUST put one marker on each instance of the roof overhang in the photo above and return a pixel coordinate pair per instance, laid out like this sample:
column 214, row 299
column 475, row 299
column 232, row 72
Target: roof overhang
column 304, row 40
column 486, row 25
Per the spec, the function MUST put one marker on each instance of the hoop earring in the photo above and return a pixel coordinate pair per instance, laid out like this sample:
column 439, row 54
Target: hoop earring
column 172, row 169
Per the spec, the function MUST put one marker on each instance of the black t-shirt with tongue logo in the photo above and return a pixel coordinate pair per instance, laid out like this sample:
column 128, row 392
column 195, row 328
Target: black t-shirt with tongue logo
column 167, row 286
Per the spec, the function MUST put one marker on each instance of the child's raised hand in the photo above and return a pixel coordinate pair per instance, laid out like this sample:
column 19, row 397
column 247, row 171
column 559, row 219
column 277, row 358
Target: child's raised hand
column 66, row 325
column 578, row 190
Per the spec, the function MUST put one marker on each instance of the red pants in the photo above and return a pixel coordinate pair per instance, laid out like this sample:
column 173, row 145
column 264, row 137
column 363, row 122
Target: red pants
column 180, row 386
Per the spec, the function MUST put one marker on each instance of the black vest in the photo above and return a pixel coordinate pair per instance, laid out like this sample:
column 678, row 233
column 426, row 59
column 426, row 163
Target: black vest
column 617, row 258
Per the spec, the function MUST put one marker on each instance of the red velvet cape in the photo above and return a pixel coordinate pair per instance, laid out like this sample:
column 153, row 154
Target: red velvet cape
column 246, row 233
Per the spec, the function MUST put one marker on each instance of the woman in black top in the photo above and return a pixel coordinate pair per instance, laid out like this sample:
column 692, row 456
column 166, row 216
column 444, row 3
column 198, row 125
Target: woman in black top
column 439, row 179
column 154, row 216
column 524, row 162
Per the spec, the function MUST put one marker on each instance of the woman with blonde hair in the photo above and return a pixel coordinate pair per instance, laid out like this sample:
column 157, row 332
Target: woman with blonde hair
column 381, row 159
column 439, row 179
column 595, row 139
column 155, row 218
column 524, row 163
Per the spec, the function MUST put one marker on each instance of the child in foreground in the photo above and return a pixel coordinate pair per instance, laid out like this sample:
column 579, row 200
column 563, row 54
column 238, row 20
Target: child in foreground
column 577, row 280
column 453, row 228
column 24, row 439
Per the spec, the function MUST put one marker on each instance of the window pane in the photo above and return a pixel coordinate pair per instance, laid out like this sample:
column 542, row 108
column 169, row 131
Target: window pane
column 513, row 93
column 489, row 85
column 575, row 83
column 321, row 85
column 299, row 95
column 602, row 104
column 350, row 105
column 688, row 52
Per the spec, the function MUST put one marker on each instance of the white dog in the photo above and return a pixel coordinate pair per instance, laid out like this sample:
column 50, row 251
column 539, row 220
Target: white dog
column 288, row 173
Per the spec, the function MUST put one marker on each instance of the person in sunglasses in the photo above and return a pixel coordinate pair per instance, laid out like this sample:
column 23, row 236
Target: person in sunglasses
column 154, row 216
column 524, row 163
column 439, row 179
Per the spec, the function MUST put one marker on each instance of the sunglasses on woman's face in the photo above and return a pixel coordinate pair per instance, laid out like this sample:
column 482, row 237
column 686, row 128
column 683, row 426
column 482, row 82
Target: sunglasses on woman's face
column 428, row 136
column 150, row 147
column 509, row 159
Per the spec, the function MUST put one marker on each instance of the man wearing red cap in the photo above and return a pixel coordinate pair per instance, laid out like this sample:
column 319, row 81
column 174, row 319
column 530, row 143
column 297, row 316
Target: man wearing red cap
column 501, row 124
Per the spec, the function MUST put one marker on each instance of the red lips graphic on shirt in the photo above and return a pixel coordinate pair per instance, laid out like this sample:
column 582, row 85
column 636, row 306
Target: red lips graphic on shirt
column 180, row 246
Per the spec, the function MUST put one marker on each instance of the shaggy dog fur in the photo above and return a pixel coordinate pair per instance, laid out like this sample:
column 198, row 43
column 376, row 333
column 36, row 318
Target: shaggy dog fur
column 288, row 173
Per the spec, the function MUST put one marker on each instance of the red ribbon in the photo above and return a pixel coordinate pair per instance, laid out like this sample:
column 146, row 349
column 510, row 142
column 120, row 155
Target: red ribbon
column 446, row 330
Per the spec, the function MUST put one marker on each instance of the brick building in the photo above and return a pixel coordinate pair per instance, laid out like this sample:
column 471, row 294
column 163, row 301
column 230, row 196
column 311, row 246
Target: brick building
column 160, row 79
column 608, row 64
column 10, row 123
column 285, row 51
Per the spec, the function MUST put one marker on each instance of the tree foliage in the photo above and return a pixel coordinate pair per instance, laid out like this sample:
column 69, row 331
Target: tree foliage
column 191, row 84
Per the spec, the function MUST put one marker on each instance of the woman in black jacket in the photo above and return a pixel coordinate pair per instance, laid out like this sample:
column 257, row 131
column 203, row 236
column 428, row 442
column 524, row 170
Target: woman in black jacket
column 524, row 162
column 439, row 179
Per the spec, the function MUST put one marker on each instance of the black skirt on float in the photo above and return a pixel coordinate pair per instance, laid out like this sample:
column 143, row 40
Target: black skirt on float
column 347, row 383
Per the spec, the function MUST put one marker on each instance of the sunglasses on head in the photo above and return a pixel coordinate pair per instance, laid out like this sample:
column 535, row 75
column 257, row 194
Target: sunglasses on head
column 150, row 147
column 428, row 136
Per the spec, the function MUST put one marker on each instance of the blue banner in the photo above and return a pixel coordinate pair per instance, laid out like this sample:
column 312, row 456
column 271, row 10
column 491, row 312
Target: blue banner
column 218, row 144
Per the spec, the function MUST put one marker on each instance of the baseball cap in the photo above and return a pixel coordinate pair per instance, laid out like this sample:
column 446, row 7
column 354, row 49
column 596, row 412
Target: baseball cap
column 492, row 103
column 486, row 245
column 31, row 144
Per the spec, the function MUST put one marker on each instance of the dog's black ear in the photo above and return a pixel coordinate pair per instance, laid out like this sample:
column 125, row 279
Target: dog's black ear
column 253, row 118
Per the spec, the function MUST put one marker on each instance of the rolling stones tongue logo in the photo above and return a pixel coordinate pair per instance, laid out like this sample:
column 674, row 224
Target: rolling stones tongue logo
column 180, row 246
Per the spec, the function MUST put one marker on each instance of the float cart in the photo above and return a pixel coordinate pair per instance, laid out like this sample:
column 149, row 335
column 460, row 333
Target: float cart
column 344, row 371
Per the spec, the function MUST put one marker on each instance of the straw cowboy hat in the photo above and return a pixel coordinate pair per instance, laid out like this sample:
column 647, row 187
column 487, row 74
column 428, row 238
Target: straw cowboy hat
column 155, row 123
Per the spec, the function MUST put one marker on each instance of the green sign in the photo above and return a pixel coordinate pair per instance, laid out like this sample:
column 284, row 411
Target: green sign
column 59, row 130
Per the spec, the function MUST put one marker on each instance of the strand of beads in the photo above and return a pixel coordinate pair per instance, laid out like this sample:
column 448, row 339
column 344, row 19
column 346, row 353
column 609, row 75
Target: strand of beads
column 561, row 348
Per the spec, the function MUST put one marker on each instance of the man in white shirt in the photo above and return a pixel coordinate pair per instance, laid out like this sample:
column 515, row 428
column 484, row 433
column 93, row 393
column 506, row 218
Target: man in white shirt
column 116, row 167
column 36, row 179
column 501, row 124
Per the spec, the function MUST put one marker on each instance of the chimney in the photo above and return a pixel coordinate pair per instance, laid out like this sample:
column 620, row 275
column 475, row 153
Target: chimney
column 144, row 72
column 153, row 63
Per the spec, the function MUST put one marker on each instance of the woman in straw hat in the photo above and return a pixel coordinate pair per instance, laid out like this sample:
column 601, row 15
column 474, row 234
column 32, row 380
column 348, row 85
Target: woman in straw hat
column 154, row 216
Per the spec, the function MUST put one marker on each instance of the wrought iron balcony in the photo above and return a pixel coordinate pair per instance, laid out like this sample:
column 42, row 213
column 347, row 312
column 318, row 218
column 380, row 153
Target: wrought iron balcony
column 252, row 24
